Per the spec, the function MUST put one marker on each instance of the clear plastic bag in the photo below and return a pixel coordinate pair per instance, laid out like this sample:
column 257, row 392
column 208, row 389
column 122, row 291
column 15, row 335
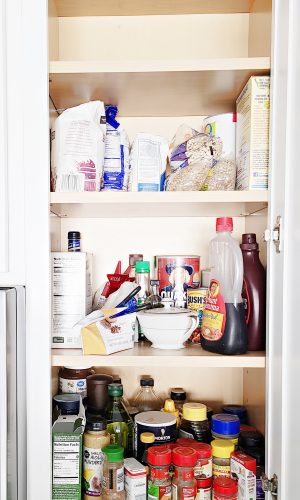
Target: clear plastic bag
column 190, row 178
column 222, row 177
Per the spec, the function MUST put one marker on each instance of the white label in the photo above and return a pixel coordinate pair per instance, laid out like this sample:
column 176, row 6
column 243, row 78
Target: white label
column 203, row 494
column 120, row 479
column 66, row 460
column 73, row 386
column 92, row 470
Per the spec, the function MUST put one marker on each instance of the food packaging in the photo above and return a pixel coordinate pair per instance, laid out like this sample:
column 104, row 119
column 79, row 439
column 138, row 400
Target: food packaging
column 135, row 480
column 223, row 126
column 243, row 469
column 148, row 162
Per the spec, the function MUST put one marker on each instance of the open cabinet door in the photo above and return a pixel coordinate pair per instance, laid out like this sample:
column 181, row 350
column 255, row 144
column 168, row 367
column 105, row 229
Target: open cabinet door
column 284, row 267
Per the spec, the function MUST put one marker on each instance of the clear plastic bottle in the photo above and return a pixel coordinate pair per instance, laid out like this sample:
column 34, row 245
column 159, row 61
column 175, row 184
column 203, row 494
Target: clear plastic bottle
column 142, row 278
column 119, row 422
column 184, row 484
column 146, row 399
column 224, row 324
column 113, row 473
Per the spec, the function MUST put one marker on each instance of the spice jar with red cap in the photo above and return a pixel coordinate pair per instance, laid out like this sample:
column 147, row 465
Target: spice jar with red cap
column 204, row 489
column 184, row 485
column 225, row 488
column 159, row 461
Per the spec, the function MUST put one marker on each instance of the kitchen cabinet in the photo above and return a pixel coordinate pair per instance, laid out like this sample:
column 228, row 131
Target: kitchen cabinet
column 164, row 63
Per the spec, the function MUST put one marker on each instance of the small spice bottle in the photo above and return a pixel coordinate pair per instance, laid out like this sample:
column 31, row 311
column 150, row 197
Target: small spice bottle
column 225, row 426
column 159, row 484
column 73, row 241
column 194, row 423
column 221, row 451
column 113, row 473
column 95, row 438
column 178, row 395
column 203, row 467
column 204, row 487
column 238, row 410
column 225, row 488
column 184, row 484
column 147, row 439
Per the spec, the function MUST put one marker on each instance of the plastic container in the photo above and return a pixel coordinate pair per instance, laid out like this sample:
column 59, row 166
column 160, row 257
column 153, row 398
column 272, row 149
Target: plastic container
column 204, row 489
column 169, row 407
column 142, row 278
column 251, row 439
column 159, row 483
column 178, row 395
column 184, row 484
column 225, row 426
column 238, row 410
column 203, row 467
column 254, row 293
column 95, row 438
column 73, row 380
column 221, row 451
column 97, row 395
column 194, row 423
column 133, row 259
column 146, row 399
column 147, row 440
column 67, row 404
column 225, row 332
column 161, row 424
column 225, row 488
column 113, row 473
column 73, row 241
column 119, row 422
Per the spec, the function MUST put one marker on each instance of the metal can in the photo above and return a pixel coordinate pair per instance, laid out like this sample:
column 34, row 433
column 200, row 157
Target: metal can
column 195, row 302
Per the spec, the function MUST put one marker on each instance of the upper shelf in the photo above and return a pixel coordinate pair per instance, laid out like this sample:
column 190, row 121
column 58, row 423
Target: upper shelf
column 72, row 8
column 155, row 88
column 162, row 204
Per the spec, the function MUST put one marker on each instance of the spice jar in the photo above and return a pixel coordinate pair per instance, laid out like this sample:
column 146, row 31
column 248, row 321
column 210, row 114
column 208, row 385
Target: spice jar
column 159, row 484
column 221, row 451
column 113, row 473
column 67, row 404
column 203, row 467
column 178, row 395
column 184, row 484
column 73, row 241
column 238, row 410
column 95, row 438
column 225, row 488
column 194, row 423
column 225, row 426
column 73, row 380
column 147, row 439
column 204, row 489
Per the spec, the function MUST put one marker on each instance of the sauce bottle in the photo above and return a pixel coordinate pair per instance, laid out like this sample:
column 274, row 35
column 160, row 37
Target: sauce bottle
column 95, row 438
column 119, row 423
column 224, row 326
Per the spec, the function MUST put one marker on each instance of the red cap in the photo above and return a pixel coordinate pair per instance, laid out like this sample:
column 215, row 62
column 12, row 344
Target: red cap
column 159, row 455
column 203, row 450
column 184, row 456
column 247, row 428
column 225, row 486
column 204, row 483
column 224, row 224
column 186, row 442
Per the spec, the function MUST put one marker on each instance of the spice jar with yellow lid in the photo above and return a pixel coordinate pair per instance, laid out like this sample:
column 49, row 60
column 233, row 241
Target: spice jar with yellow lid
column 194, row 423
column 147, row 439
column 221, row 452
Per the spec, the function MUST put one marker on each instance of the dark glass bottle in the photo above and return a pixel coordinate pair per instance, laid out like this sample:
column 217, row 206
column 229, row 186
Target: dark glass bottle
column 119, row 422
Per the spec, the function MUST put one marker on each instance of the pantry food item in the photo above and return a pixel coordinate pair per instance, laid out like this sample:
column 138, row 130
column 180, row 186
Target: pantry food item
column 259, row 455
column 238, row 410
column 225, row 426
column 178, row 395
column 169, row 407
column 203, row 467
column 147, row 399
column 95, row 438
column 162, row 425
column 223, row 126
column 252, row 134
column 194, row 423
column 243, row 469
column 204, row 489
column 113, row 473
column 73, row 241
column 97, row 396
column 133, row 259
column 71, row 296
column 195, row 302
column 225, row 488
column 67, row 404
column 184, row 484
column 116, row 155
column 189, row 178
column 135, row 480
column 221, row 176
column 119, row 422
column 77, row 148
column 148, row 161
column 250, row 439
column 73, row 380
column 254, row 293
column 221, row 452
column 159, row 483
column 223, row 325
column 147, row 440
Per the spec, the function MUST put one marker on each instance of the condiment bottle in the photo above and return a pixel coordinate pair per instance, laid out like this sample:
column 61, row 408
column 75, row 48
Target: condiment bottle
column 184, row 484
column 113, row 473
column 203, row 467
column 254, row 293
column 119, row 423
column 147, row 439
column 146, row 399
column 223, row 327
column 178, row 395
column 225, row 426
column 159, row 484
column 204, row 489
column 95, row 438
column 169, row 407
column 194, row 423
column 221, row 451
column 225, row 488
column 73, row 241
column 73, row 380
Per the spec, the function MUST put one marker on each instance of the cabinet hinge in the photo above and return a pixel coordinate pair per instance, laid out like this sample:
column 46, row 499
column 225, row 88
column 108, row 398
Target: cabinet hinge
column 275, row 234
column 270, row 485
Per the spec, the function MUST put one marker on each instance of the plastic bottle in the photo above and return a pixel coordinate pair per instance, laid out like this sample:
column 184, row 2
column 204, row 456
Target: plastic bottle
column 169, row 407
column 142, row 278
column 159, row 484
column 146, row 399
column 73, row 241
column 184, row 484
column 194, row 423
column 221, row 452
column 224, row 326
column 178, row 395
column 225, row 488
column 113, row 473
column 119, row 422
column 254, row 293
column 147, row 439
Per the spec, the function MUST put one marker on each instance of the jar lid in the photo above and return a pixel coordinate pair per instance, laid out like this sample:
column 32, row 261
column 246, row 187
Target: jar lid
column 225, row 425
column 147, row 437
column 238, row 410
column 184, row 456
column 95, row 424
column 245, row 427
column 204, row 483
column 99, row 379
column 158, row 455
column 142, row 266
column 225, row 486
column 154, row 418
column 203, row 450
column 222, row 448
column 114, row 452
column 74, row 234
column 250, row 439
column 115, row 390
column 178, row 394
column 146, row 382
column 77, row 369
column 195, row 412
column 68, row 402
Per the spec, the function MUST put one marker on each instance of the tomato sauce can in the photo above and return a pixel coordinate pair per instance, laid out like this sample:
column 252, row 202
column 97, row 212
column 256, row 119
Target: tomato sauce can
column 195, row 302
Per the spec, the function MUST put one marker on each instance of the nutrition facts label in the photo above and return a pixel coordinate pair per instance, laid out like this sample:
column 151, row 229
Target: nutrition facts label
column 66, row 458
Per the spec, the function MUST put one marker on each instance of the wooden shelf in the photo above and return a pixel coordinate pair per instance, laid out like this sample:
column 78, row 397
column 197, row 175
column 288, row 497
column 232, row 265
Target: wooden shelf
column 67, row 8
column 162, row 204
column 144, row 355
column 142, row 88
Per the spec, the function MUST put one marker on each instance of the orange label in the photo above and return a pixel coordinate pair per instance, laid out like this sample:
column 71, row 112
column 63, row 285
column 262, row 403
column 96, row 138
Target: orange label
column 214, row 314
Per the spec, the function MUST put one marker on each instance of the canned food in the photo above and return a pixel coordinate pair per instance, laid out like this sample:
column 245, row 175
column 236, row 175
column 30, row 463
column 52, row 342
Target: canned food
column 195, row 302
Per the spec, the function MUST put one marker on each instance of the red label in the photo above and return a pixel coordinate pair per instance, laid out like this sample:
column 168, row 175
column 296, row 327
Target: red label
column 177, row 274
column 214, row 314
column 188, row 492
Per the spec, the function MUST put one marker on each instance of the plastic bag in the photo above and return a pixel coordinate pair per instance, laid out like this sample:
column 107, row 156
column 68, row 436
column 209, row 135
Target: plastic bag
column 221, row 177
column 190, row 178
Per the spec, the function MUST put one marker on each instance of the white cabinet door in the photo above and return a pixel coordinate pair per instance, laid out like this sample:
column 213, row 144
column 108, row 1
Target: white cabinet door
column 284, row 267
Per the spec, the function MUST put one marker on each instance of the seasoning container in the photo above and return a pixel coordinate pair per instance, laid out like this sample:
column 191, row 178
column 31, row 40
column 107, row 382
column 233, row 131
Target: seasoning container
column 161, row 424
column 67, row 404
column 159, row 483
column 221, row 452
column 204, row 489
column 135, row 480
column 95, row 438
column 259, row 455
column 147, row 439
column 178, row 395
column 203, row 467
column 133, row 259
column 238, row 410
column 169, row 407
column 113, row 473
column 184, row 484
column 225, row 426
column 225, row 488
column 194, row 423
column 73, row 380
column 97, row 395
column 250, row 439
column 195, row 302
column 73, row 241
column 243, row 469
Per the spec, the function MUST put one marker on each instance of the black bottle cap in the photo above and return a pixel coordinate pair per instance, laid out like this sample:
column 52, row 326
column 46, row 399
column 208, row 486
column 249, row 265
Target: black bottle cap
column 95, row 423
column 74, row 235
column 178, row 394
column 147, row 382
column 249, row 242
column 250, row 439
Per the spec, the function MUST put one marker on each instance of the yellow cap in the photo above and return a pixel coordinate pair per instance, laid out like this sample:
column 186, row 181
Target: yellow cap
column 147, row 437
column 169, row 406
column 222, row 448
column 234, row 441
column 196, row 412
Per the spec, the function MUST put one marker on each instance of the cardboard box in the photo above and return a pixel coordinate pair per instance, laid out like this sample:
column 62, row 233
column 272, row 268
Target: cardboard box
column 135, row 480
column 252, row 134
column 243, row 468
column 67, row 437
column 71, row 296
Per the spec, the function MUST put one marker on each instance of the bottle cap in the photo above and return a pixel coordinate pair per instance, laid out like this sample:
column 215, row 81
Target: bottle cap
column 116, row 379
column 184, row 456
column 169, row 406
column 256, row 452
column 224, row 224
column 95, row 424
column 114, row 452
column 225, row 486
column 204, row 483
column 115, row 390
column 146, row 382
column 249, row 242
column 147, row 437
column 158, row 455
column 68, row 403
column 238, row 410
column 250, row 439
column 74, row 235
column 178, row 394
column 203, row 450
column 142, row 266
column 222, row 448
column 224, row 424
column 195, row 412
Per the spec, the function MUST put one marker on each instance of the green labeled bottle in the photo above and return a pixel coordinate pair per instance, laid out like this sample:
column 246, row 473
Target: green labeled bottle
column 119, row 422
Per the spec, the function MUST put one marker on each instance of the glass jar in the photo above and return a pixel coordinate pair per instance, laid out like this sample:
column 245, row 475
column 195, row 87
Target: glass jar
column 178, row 395
column 194, row 423
column 113, row 473
column 221, row 452
column 225, row 426
column 73, row 380
column 204, row 489
column 225, row 488
column 159, row 484
column 146, row 399
column 184, row 484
